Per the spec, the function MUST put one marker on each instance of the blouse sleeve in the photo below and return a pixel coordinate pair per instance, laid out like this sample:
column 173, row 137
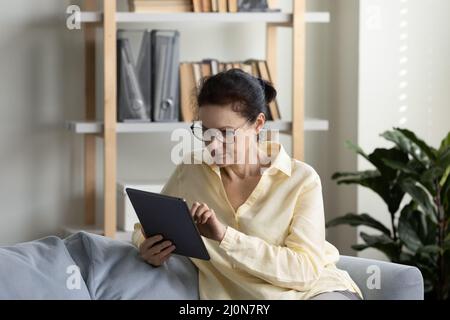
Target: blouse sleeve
column 298, row 263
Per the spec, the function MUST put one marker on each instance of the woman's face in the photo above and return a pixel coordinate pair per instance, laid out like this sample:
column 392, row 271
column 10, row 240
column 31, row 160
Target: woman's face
column 225, row 121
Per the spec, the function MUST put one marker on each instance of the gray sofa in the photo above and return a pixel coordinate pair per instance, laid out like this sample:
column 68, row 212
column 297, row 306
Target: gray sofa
column 88, row 266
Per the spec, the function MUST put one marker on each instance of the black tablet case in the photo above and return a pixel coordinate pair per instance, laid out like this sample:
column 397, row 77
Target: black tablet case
column 170, row 217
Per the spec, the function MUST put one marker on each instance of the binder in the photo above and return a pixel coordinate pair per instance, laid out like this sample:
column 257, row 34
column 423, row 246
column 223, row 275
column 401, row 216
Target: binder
column 165, row 71
column 131, row 104
column 144, row 69
column 213, row 68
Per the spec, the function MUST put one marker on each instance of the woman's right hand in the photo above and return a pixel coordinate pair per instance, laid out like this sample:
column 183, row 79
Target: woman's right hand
column 156, row 253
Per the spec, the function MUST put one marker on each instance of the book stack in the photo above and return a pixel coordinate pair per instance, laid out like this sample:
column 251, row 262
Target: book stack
column 199, row 6
column 160, row 5
column 231, row 6
column 191, row 74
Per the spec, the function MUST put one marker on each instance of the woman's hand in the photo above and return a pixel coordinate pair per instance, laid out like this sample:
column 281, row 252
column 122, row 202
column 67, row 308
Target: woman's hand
column 207, row 222
column 155, row 252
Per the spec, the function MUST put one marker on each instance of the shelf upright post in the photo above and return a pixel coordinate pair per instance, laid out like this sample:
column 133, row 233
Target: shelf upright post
column 90, row 115
column 110, row 117
column 271, row 45
column 298, row 80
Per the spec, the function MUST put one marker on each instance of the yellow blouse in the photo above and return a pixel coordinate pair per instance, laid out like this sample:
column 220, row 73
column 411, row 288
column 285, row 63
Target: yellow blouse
column 274, row 246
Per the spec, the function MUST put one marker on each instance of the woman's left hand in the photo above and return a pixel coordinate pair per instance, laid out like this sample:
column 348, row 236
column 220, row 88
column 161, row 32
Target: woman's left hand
column 207, row 222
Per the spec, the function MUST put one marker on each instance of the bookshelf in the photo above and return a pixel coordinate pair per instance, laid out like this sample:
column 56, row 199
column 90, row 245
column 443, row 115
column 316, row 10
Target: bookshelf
column 108, row 19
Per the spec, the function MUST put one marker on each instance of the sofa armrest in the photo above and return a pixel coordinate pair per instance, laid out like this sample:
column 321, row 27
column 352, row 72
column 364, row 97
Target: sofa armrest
column 396, row 281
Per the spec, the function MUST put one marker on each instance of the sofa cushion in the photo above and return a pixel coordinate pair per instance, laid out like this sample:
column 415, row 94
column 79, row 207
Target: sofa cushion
column 41, row 269
column 114, row 270
column 380, row 280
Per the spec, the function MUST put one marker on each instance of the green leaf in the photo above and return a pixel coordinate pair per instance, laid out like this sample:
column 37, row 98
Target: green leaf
column 422, row 228
column 447, row 241
column 430, row 178
column 429, row 250
column 410, row 144
column 445, row 143
column 443, row 159
column 446, row 246
column 379, row 156
column 406, row 258
column 408, row 225
column 356, row 220
column 391, row 193
column 400, row 166
column 356, row 149
column 445, row 197
column 355, row 175
column 419, row 195
column 382, row 243
column 429, row 150
column 444, row 177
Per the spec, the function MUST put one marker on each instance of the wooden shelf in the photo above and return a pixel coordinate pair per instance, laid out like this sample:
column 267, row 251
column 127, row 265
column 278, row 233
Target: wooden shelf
column 269, row 17
column 89, row 127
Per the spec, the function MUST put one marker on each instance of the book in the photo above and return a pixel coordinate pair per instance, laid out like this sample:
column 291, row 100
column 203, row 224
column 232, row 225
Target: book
column 188, row 92
column 197, row 75
column 192, row 75
column 197, row 5
column 252, row 66
column 211, row 66
column 265, row 74
column 223, row 5
column 214, row 5
column 206, row 6
column 161, row 5
column 246, row 68
column 232, row 6
column 206, row 69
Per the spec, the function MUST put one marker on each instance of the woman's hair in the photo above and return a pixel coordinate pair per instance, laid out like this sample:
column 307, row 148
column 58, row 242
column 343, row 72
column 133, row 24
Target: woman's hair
column 248, row 95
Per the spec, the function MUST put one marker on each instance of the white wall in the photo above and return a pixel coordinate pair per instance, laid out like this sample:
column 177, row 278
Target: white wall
column 40, row 86
column 404, row 78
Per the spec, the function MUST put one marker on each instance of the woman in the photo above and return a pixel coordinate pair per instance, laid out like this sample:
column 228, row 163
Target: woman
column 262, row 221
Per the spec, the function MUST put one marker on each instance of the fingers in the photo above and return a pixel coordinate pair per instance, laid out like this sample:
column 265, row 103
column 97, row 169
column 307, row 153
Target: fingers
column 201, row 212
column 166, row 252
column 149, row 242
column 155, row 252
column 158, row 253
column 205, row 216
column 194, row 208
column 159, row 247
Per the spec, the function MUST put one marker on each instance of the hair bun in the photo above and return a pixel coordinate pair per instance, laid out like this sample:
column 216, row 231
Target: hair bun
column 269, row 91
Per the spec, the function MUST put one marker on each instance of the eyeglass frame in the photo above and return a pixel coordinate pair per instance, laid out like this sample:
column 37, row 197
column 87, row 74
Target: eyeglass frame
column 222, row 136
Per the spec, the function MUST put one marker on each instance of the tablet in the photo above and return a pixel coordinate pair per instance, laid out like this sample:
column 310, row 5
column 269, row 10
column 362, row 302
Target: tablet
column 171, row 218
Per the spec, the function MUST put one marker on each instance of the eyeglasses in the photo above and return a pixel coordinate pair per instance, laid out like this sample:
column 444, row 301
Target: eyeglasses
column 205, row 134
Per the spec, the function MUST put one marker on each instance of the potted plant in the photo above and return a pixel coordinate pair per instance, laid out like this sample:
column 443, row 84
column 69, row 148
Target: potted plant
column 419, row 232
